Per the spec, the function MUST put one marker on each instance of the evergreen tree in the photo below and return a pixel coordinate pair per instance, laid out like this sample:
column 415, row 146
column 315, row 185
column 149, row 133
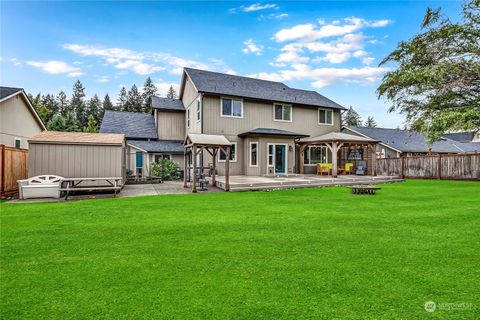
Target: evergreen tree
column 351, row 118
column 91, row 125
column 71, row 124
column 149, row 91
column 122, row 100
column 51, row 105
column 171, row 93
column 95, row 109
column 57, row 123
column 107, row 103
column 77, row 104
column 370, row 122
column 134, row 100
column 43, row 113
column 62, row 102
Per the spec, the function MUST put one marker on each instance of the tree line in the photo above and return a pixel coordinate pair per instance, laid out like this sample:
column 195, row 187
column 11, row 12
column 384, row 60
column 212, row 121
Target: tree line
column 80, row 114
column 352, row 118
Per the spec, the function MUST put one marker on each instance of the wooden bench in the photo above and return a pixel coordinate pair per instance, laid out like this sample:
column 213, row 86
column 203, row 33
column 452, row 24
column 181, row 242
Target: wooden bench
column 45, row 186
column 74, row 184
column 364, row 189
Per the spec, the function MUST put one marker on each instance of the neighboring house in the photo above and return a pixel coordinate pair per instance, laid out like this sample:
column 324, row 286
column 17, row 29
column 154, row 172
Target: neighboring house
column 262, row 119
column 18, row 119
column 467, row 136
column 144, row 143
column 396, row 142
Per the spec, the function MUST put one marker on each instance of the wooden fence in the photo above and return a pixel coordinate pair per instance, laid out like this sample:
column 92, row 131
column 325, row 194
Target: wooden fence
column 448, row 167
column 14, row 166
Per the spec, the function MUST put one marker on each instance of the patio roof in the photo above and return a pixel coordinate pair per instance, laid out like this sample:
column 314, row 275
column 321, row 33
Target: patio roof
column 207, row 140
column 337, row 137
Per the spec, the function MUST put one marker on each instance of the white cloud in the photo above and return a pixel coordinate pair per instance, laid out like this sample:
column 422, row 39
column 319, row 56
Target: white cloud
column 255, row 7
column 310, row 31
column 56, row 67
column 103, row 79
column 252, row 47
column 322, row 77
column 143, row 63
column 368, row 60
column 15, row 62
column 277, row 16
column 163, row 87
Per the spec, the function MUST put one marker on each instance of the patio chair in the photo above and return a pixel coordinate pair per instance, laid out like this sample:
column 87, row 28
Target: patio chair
column 361, row 168
column 348, row 168
column 324, row 168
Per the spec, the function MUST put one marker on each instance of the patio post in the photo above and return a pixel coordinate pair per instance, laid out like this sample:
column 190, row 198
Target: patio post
column 302, row 158
column 227, row 168
column 214, row 155
column 185, row 167
column 194, row 156
column 334, row 159
column 374, row 159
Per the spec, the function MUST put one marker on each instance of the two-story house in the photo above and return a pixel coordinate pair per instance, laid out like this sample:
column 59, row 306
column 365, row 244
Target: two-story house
column 262, row 119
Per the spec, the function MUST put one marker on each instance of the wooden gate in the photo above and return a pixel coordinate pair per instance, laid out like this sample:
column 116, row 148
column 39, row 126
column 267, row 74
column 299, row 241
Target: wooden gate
column 14, row 166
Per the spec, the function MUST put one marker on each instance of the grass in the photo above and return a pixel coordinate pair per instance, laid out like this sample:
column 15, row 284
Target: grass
column 310, row 253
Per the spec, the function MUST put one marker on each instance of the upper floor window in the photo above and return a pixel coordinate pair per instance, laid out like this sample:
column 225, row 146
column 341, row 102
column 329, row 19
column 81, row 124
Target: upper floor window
column 198, row 110
column 282, row 112
column 325, row 116
column 188, row 118
column 231, row 107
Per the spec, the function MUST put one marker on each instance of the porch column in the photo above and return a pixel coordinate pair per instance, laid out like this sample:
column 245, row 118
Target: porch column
column 374, row 159
column 227, row 169
column 302, row 158
column 194, row 180
column 334, row 159
column 185, row 167
column 214, row 156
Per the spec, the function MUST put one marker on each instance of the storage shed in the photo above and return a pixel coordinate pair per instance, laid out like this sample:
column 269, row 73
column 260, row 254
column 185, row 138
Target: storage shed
column 77, row 155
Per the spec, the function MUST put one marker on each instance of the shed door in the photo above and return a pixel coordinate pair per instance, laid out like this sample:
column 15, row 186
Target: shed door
column 139, row 159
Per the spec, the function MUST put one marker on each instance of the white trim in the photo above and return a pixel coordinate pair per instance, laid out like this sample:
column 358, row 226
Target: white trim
column 310, row 155
column 273, row 158
column 15, row 139
column 326, row 110
column 231, row 98
column 365, row 136
column 138, row 148
column 198, row 110
column 283, row 105
column 250, row 154
column 188, row 118
column 236, row 153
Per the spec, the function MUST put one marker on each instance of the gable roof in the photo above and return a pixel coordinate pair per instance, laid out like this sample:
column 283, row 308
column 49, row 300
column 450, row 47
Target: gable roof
column 272, row 132
column 338, row 137
column 168, row 104
column 207, row 139
column 58, row 137
column 9, row 92
column 158, row 146
column 405, row 140
column 231, row 85
column 133, row 125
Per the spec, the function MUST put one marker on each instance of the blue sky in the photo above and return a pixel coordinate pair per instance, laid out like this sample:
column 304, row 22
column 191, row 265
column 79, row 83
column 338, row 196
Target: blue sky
column 331, row 47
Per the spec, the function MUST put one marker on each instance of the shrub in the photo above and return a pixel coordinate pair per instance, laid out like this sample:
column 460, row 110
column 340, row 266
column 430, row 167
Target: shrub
column 166, row 169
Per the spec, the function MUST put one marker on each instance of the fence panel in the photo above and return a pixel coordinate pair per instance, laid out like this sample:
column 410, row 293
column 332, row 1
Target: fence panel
column 452, row 167
column 13, row 166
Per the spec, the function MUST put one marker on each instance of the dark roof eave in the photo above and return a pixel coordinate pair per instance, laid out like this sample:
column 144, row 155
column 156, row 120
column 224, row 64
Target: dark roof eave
column 167, row 109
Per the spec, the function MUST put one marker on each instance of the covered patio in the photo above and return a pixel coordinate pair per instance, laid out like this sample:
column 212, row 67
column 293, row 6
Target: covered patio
column 195, row 144
column 352, row 149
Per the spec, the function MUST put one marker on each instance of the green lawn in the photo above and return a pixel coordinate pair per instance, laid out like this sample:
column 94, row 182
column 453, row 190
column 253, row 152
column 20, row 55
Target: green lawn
column 310, row 253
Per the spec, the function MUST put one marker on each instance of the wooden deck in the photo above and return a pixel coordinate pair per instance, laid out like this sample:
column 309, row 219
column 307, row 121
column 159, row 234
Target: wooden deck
column 247, row 183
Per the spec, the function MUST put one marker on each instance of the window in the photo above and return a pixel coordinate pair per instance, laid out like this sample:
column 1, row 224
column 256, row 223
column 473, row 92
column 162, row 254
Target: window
column 188, row 118
column 253, row 154
column 270, row 155
column 314, row 155
column 325, row 116
column 282, row 112
column 198, row 110
column 17, row 143
column 159, row 157
column 233, row 154
column 231, row 107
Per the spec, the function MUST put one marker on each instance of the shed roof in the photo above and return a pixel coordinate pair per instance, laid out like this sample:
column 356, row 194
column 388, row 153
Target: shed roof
column 167, row 104
column 272, row 132
column 338, row 137
column 207, row 139
column 134, row 125
column 8, row 91
column 227, row 84
column 158, row 146
column 58, row 137
column 405, row 140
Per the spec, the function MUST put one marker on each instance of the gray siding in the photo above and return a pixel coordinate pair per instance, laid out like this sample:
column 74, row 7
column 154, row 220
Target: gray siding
column 189, row 99
column 170, row 125
column 75, row 161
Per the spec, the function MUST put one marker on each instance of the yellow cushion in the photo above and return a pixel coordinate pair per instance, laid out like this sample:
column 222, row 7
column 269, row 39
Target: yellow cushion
column 348, row 166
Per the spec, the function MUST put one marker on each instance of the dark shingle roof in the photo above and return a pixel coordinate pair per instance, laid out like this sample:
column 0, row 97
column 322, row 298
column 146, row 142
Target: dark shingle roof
column 271, row 132
column 159, row 146
column 167, row 104
column 133, row 125
column 405, row 140
column 468, row 147
column 226, row 84
column 8, row 91
column 461, row 136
